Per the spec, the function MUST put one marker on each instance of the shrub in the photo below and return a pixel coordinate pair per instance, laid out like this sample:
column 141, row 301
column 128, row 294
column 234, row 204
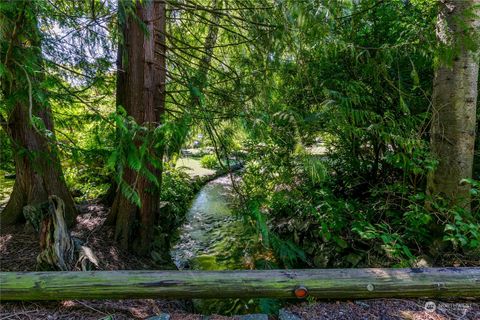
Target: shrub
column 209, row 161
column 177, row 192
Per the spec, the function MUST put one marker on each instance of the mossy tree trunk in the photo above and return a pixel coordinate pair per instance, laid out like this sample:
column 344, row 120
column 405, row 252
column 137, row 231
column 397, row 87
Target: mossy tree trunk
column 29, row 122
column 454, row 101
column 142, row 77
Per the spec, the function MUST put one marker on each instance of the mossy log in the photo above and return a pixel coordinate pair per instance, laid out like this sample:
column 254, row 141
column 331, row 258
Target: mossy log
column 326, row 284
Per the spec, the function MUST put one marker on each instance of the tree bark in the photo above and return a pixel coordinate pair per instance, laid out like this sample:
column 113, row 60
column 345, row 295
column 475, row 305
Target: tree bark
column 37, row 166
column 476, row 157
column 454, row 103
column 142, row 76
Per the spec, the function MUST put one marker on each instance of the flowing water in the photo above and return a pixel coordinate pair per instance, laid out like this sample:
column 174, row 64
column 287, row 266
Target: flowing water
column 214, row 238
column 207, row 238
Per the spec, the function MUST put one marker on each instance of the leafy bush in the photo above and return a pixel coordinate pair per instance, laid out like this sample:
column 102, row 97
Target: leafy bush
column 209, row 161
column 6, row 153
column 367, row 87
column 177, row 192
column 462, row 228
column 388, row 226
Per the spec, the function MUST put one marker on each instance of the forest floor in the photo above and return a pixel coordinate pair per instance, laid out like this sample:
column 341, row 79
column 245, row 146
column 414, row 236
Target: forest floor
column 18, row 251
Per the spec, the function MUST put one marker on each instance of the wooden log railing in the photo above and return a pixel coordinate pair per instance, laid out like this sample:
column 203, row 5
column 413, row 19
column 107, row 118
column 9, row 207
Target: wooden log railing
column 327, row 284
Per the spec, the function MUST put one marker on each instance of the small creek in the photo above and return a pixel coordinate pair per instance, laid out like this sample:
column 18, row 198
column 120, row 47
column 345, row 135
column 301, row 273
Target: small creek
column 211, row 237
column 214, row 238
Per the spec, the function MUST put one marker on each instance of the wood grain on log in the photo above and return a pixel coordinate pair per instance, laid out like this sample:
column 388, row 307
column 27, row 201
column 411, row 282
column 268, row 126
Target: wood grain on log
column 326, row 284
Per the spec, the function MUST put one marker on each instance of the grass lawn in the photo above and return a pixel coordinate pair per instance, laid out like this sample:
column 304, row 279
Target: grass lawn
column 193, row 167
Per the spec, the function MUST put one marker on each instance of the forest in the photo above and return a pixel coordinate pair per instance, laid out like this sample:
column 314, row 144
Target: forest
column 220, row 135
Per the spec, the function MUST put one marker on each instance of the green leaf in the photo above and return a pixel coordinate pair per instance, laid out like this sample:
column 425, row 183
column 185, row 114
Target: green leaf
column 130, row 194
column 3, row 70
column 133, row 159
column 112, row 160
column 341, row 243
column 414, row 75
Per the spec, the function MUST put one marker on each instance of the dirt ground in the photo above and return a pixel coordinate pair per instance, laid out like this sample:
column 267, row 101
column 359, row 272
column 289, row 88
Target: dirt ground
column 388, row 309
column 18, row 251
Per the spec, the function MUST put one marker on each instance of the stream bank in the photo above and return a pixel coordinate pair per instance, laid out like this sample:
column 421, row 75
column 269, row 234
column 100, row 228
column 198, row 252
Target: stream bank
column 215, row 237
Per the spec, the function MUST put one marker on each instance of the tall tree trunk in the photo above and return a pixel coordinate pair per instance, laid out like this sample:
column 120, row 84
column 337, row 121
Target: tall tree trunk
column 454, row 102
column 143, row 82
column 476, row 157
column 38, row 171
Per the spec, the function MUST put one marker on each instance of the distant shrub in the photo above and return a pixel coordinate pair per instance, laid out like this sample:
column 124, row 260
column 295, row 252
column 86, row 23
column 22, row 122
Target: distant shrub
column 209, row 161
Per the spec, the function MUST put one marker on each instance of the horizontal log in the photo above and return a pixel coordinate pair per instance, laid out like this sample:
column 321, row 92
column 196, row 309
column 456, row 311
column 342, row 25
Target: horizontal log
column 324, row 283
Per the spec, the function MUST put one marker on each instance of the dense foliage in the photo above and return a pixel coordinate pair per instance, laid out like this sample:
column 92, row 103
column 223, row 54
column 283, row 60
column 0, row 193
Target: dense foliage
column 364, row 90
column 328, row 103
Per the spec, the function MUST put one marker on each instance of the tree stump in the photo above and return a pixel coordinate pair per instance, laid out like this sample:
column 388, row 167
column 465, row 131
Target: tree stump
column 60, row 251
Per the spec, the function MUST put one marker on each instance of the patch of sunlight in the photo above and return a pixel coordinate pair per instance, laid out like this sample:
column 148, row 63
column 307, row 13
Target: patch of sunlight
column 6, row 186
column 193, row 168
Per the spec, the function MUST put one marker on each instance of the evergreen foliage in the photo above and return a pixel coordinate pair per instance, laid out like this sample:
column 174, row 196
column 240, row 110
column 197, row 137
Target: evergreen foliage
column 328, row 104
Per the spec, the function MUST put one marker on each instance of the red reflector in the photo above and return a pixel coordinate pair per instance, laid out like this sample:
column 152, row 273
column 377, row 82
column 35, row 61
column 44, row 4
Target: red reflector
column 301, row 292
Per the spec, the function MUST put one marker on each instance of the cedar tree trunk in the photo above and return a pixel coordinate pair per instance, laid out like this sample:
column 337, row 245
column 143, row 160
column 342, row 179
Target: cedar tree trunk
column 38, row 171
column 142, row 79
